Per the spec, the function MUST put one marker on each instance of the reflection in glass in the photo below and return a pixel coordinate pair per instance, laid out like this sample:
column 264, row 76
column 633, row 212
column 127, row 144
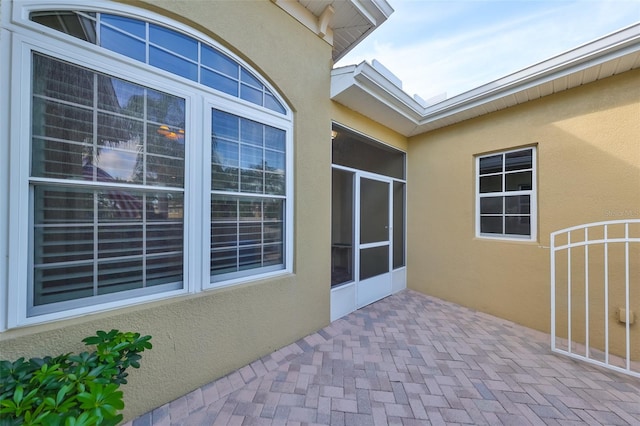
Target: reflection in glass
column 491, row 224
column 492, row 164
column 169, row 50
column 117, row 230
column 246, row 155
column 520, row 181
column 95, row 234
column 489, row 205
column 491, row 184
column 246, row 233
column 519, row 160
column 518, row 225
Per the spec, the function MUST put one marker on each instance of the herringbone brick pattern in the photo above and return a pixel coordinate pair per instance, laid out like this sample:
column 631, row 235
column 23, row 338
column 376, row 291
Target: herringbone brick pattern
column 412, row 359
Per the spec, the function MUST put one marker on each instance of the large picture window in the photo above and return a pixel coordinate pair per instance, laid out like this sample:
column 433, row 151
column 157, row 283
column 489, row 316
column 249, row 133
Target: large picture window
column 107, row 181
column 506, row 194
column 132, row 196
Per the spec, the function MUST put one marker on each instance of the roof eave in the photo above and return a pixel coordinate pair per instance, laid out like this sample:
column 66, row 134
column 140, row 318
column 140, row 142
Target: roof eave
column 400, row 112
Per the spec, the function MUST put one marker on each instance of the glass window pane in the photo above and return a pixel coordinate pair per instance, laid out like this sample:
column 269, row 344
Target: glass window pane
column 163, row 171
column 120, row 240
column 492, row 164
column 273, row 209
column 165, row 237
column 63, row 205
column 273, row 254
column 519, row 204
column 60, row 160
column 224, row 208
column 132, row 26
column 121, row 96
column 219, row 62
column 519, row 160
column 164, row 270
column 63, row 282
column 250, row 94
column 251, row 132
column 62, row 81
column 274, row 184
column 489, row 205
column 491, row 184
column 491, row 224
column 275, row 161
column 247, row 78
column 173, row 41
column 224, row 234
column 68, row 22
column 172, row 63
column 518, row 181
column 124, row 44
column 119, row 276
column 251, row 157
column 166, row 109
column 224, row 261
column 219, row 82
column 274, row 138
column 225, row 125
column 63, row 243
column 374, row 261
column 272, row 103
column 518, row 225
column 249, row 257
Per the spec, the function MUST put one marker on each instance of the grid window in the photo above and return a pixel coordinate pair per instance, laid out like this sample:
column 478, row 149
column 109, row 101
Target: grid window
column 110, row 164
column 107, row 183
column 164, row 48
column 505, row 202
column 247, row 231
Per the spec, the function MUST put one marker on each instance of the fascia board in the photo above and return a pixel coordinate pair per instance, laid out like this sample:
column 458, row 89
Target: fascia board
column 374, row 82
column 374, row 11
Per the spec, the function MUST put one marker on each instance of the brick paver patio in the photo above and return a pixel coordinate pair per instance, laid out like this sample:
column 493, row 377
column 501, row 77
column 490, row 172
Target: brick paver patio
column 411, row 359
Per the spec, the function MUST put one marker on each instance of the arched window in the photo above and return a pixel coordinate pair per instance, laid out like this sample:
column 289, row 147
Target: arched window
column 127, row 185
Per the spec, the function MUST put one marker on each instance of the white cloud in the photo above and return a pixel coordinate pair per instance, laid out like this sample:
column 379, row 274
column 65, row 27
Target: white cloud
column 482, row 44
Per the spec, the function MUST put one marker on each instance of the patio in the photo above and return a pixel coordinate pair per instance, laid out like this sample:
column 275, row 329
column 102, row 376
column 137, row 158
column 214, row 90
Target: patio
column 411, row 359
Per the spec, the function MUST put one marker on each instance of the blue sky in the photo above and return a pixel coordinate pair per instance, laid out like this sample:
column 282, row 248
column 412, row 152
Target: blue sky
column 452, row 46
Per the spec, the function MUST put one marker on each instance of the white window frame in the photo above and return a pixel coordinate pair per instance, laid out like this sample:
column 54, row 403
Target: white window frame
column 533, row 213
column 19, row 38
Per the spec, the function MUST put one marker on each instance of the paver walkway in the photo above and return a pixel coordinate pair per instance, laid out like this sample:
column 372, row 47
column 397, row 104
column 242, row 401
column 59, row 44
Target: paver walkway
column 412, row 359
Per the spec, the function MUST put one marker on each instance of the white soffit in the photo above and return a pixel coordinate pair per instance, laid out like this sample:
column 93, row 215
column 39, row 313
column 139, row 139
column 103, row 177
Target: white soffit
column 366, row 90
column 342, row 23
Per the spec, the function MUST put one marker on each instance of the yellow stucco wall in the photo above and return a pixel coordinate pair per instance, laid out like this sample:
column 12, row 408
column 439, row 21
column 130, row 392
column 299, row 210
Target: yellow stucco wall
column 358, row 122
column 198, row 338
column 588, row 152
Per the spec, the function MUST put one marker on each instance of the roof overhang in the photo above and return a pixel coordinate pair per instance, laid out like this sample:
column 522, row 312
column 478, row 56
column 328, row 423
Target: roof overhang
column 342, row 23
column 366, row 89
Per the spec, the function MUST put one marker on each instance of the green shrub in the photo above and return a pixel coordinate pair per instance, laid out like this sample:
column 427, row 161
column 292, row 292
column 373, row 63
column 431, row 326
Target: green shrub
column 71, row 390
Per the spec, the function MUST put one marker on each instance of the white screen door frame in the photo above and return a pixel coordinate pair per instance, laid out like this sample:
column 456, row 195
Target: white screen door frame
column 373, row 242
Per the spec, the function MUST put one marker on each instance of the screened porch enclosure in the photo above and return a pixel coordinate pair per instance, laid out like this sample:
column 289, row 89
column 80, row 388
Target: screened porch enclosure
column 368, row 216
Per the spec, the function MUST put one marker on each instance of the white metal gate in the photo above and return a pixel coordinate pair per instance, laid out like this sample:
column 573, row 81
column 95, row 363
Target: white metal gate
column 595, row 294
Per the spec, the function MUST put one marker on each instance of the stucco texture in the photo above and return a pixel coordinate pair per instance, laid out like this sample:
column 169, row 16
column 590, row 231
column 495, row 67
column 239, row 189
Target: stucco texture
column 588, row 170
column 198, row 338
